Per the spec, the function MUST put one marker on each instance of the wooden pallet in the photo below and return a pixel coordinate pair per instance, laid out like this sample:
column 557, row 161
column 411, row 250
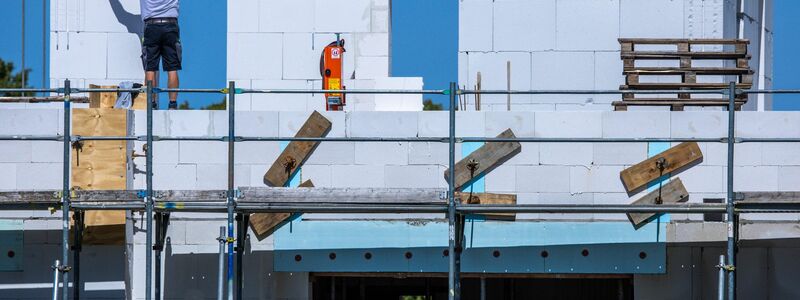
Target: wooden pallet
column 688, row 73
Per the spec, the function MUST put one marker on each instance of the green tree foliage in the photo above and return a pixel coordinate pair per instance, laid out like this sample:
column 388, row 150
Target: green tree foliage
column 429, row 105
column 184, row 105
column 8, row 79
column 221, row 105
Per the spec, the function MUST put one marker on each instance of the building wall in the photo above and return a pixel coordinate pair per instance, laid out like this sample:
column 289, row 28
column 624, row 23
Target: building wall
column 572, row 45
column 270, row 45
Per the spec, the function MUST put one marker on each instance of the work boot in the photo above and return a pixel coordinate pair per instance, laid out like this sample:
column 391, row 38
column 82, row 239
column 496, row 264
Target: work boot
column 173, row 105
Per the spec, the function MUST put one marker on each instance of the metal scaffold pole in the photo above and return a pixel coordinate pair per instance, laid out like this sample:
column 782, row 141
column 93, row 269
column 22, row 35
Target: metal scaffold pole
column 65, row 205
column 149, row 200
column 453, row 284
column 731, row 219
column 230, row 202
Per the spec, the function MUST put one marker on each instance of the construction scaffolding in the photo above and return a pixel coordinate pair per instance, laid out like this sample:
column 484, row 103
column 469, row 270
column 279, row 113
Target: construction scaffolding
column 237, row 202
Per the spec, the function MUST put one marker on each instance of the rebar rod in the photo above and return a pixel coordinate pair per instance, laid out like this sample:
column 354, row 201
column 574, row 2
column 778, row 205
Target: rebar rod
column 65, row 196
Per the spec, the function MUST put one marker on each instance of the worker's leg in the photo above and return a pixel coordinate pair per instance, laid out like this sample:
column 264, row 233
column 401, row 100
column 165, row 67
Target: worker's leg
column 152, row 76
column 151, row 54
column 173, row 83
column 171, row 52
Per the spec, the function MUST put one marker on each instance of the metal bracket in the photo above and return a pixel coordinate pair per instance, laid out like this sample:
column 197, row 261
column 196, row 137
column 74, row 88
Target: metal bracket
column 141, row 194
column 727, row 268
column 78, row 146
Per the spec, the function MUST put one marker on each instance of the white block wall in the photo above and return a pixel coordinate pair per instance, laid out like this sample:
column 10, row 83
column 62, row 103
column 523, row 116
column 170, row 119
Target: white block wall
column 572, row 44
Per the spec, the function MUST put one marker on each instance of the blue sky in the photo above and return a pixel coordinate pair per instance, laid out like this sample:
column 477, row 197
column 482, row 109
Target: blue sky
column 424, row 43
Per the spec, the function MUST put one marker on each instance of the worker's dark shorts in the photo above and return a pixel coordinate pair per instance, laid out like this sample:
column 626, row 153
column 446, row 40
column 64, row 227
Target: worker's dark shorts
column 161, row 41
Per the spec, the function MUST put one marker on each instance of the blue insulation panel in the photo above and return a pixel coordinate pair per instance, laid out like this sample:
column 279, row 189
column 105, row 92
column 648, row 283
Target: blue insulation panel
column 11, row 245
column 613, row 247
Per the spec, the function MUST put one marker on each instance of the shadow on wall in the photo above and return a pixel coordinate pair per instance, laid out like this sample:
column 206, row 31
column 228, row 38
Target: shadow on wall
column 132, row 22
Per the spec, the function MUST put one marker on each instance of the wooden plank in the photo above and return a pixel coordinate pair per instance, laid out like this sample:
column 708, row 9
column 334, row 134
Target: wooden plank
column 768, row 197
column 487, row 157
column 296, row 153
column 673, row 102
column 104, row 99
column 680, row 71
column 683, row 54
column 671, row 193
column 264, row 224
column 661, row 41
column 490, row 198
column 678, row 85
column 101, row 165
column 73, row 99
column 676, row 158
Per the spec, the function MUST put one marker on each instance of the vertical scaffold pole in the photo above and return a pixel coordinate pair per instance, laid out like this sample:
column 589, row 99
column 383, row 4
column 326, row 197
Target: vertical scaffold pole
column 731, row 220
column 149, row 199
column 454, row 287
column 221, row 270
column 65, row 200
column 231, row 115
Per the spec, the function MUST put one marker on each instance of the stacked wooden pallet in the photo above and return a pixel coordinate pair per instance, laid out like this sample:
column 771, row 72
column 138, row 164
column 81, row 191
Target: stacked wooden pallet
column 733, row 52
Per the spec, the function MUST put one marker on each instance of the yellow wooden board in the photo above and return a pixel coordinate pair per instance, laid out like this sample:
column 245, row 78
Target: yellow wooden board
column 101, row 165
column 671, row 193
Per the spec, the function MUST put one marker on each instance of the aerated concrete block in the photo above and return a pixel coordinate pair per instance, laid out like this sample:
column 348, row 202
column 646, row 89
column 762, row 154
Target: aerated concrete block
column 788, row 178
column 475, row 26
column 188, row 123
column 353, row 17
column 334, row 153
column 702, row 179
column 619, row 154
column 596, row 179
column 770, row 124
column 372, row 67
column 570, row 154
column 79, row 55
column 533, row 179
column 520, row 122
column 39, row 176
column 253, row 123
column 637, row 17
column 572, row 32
column 568, row 124
column 386, row 102
column 494, row 74
column 47, row 152
column 760, row 178
column 8, row 176
column 358, row 176
column 745, row 154
column 580, row 77
column 280, row 102
column 192, row 152
column 160, row 123
column 257, row 152
column 636, row 124
column 780, row 154
column 502, row 179
column 215, row 176
column 164, row 152
column 372, row 44
column 320, row 175
column 428, row 153
column 107, row 16
column 699, row 124
column 381, row 153
column 565, row 198
column 524, row 25
column 124, row 49
column 380, row 20
column 421, row 176
column 286, row 16
column 607, row 76
column 17, row 151
column 244, row 48
column 30, row 122
column 528, row 156
column 291, row 122
column 300, row 59
column 173, row 177
column 383, row 124
column 243, row 15
column 611, row 198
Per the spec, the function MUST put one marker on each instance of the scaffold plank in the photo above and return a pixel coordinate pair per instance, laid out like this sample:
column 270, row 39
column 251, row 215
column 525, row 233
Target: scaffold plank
column 264, row 224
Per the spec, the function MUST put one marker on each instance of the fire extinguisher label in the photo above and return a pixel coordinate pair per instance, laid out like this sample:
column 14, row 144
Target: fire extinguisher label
column 335, row 53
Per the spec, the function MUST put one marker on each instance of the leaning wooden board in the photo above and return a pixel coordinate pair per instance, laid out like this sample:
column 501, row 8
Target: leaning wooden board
column 101, row 165
column 671, row 193
column 488, row 156
column 490, row 198
column 263, row 224
column 639, row 175
column 296, row 153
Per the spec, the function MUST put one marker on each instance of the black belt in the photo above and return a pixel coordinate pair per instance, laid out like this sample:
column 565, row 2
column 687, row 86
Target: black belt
column 160, row 20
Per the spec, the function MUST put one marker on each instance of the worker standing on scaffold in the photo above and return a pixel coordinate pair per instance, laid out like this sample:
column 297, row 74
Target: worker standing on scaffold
column 161, row 42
